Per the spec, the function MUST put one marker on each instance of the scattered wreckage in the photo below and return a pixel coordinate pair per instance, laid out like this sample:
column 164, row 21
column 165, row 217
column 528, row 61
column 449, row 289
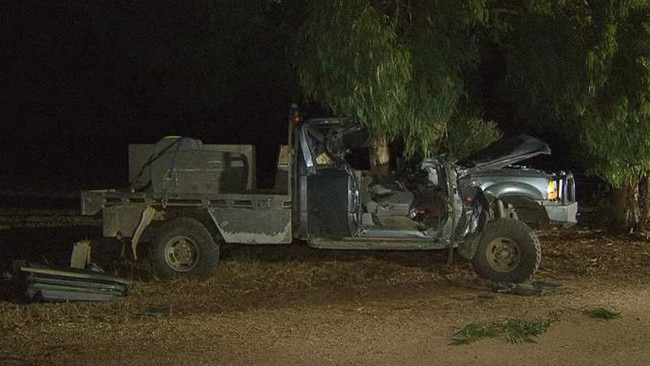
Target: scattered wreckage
column 55, row 284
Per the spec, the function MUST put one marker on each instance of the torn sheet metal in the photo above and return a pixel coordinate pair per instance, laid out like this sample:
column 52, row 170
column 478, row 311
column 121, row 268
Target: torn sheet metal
column 43, row 283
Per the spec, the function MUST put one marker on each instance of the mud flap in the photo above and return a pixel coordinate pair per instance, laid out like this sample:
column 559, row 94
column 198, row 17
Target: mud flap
column 467, row 249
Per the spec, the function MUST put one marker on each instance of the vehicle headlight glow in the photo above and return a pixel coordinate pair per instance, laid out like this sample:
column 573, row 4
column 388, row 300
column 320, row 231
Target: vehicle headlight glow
column 552, row 190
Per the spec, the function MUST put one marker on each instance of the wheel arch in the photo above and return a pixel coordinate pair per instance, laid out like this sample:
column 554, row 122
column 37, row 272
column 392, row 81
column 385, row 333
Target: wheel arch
column 512, row 189
column 164, row 215
column 523, row 198
column 528, row 211
column 182, row 246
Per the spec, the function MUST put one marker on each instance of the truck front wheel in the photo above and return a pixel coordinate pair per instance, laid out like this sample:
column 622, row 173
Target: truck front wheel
column 183, row 248
column 508, row 251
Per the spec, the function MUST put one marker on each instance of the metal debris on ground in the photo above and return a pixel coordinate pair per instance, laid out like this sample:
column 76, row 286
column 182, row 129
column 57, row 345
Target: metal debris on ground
column 527, row 288
column 45, row 283
column 156, row 312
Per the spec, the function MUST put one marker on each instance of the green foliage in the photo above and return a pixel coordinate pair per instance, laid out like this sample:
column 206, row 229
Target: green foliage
column 514, row 330
column 395, row 67
column 474, row 332
column 545, row 79
column 619, row 117
column 468, row 135
column 520, row 331
column 582, row 69
column 604, row 313
column 351, row 60
column 440, row 38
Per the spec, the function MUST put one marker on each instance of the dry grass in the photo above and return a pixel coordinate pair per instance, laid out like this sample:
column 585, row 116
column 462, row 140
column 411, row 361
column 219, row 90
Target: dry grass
column 594, row 253
column 277, row 277
column 291, row 277
column 248, row 279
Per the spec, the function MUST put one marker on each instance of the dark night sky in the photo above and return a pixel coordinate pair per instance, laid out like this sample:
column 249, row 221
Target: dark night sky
column 80, row 81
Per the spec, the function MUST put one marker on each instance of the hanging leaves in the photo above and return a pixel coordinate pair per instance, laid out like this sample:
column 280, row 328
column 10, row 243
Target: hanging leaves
column 615, row 129
column 581, row 68
column 395, row 67
column 351, row 60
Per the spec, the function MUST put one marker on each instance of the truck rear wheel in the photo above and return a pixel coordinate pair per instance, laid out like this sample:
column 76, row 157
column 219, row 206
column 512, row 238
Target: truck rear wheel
column 183, row 248
column 508, row 251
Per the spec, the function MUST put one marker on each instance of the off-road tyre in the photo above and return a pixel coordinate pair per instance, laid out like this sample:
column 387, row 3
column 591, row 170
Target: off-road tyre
column 183, row 248
column 508, row 251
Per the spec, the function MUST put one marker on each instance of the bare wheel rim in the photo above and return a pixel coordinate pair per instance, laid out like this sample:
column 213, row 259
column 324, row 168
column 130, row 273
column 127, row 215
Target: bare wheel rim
column 503, row 254
column 182, row 253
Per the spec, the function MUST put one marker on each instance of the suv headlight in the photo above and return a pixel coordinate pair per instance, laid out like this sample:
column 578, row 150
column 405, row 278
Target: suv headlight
column 551, row 190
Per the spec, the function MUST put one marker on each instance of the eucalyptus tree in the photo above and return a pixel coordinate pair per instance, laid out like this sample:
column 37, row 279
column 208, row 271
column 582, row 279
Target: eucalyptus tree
column 582, row 68
column 616, row 126
column 397, row 67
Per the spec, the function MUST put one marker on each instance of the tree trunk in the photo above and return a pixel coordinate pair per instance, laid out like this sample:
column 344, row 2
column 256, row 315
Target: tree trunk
column 626, row 215
column 644, row 202
column 379, row 156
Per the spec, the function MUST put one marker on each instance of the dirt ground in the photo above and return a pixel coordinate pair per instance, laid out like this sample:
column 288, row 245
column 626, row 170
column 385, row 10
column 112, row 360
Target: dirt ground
column 292, row 305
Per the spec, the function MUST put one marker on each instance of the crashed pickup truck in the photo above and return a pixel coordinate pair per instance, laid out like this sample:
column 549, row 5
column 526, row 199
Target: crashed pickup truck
column 187, row 198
